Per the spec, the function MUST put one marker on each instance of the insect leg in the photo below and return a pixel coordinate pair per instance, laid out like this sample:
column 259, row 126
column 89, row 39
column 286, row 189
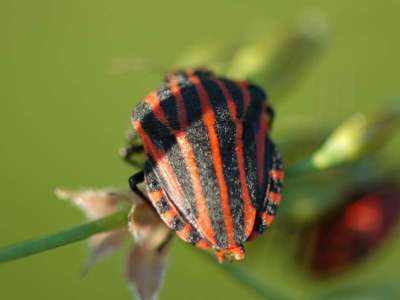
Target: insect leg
column 134, row 147
column 128, row 152
column 134, row 180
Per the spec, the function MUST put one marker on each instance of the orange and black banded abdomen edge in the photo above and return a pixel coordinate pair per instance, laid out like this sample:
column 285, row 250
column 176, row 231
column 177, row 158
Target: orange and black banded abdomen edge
column 213, row 174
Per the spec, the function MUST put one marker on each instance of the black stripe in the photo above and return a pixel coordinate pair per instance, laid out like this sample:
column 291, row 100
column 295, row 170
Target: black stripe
column 193, row 237
column 153, row 127
column 168, row 105
column 250, row 165
column 236, row 93
column 176, row 223
column 271, row 209
column 162, row 206
column 191, row 102
column 259, row 226
column 268, row 155
column 257, row 97
column 274, row 162
column 226, row 132
column 178, row 164
column 217, row 100
column 197, row 135
column 152, row 184
column 276, row 186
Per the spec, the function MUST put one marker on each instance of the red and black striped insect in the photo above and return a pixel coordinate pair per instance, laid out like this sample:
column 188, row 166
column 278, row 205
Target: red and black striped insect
column 351, row 232
column 212, row 172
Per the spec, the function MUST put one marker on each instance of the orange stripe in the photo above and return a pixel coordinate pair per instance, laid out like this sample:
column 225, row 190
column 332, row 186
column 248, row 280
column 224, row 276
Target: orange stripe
column 156, row 195
column 202, row 244
column 278, row 175
column 185, row 232
column 176, row 91
column 267, row 219
column 245, row 94
column 154, row 103
column 209, row 121
column 169, row 215
column 203, row 216
column 189, row 72
column 249, row 210
column 274, row 197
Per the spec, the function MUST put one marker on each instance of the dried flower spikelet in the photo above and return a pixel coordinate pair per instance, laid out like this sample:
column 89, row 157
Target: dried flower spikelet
column 97, row 204
column 146, row 261
column 145, row 272
column 146, row 226
column 103, row 245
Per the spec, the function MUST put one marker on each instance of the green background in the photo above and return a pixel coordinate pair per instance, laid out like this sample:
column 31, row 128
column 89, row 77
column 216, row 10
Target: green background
column 64, row 114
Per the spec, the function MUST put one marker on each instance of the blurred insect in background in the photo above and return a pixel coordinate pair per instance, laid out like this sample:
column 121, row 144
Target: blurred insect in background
column 352, row 232
column 212, row 172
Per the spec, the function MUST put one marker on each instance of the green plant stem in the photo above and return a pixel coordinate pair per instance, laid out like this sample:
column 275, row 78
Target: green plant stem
column 72, row 235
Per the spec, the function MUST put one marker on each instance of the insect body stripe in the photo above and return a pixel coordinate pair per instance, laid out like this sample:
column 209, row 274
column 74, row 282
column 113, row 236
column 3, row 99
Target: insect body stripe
column 156, row 195
column 197, row 136
column 225, row 128
column 249, row 210
column 154, row 103
column 203, row 215
column 246, row 96
column 192, row 170
column 162, row 205
column 234, row 96
column 250, row 150
column 274, row 197
column 260, row 141
column 209, row 121
column 266, row 219
column 169, row 107
column 182, row 115
column 277, row 174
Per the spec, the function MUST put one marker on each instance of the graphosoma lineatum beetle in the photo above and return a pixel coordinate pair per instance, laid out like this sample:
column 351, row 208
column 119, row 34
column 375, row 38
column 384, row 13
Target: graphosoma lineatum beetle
column 352, row 231
column 212, row 172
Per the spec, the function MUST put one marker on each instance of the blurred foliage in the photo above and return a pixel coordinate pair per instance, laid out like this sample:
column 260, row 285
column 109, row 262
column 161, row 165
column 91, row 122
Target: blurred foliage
column 64, row 115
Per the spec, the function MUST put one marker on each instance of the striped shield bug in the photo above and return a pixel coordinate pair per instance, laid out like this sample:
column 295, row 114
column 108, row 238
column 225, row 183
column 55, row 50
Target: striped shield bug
column 212, row 172
column 351, row 232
